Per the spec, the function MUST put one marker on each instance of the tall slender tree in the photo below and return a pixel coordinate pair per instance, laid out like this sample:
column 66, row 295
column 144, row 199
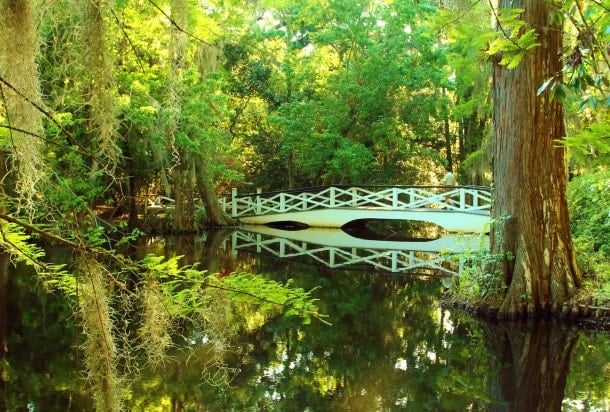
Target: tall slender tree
column 531, row 229
column 183, row 167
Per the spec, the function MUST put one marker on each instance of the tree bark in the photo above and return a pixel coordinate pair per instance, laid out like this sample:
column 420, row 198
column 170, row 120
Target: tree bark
column 184, row 213
column 531, row 227
column 215, row 216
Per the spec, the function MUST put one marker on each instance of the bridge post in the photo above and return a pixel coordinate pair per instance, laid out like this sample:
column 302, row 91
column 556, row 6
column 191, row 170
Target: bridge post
column 462, row 199
column 234, row 202
column 410, row 197
column 258, row 200
column 354, row 192
column 234, row 243
column 394, row 198
column 332, row 196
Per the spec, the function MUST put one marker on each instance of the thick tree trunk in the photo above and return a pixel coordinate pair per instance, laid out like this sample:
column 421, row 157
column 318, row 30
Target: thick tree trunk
column 4, row 295
column 531, row 226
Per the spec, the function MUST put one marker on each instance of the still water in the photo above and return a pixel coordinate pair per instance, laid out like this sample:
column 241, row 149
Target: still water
column 388, row 344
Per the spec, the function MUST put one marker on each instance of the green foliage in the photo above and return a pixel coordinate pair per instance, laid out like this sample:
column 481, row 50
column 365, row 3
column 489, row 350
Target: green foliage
column 513, row 42
column 586, row 64
column 591, row 144
column 184, row 286
column 76, row 186
column 355, row 105
column 584, row 86
column 589, row 207
column 350, row 163
column 482, row 277
column 21, row 248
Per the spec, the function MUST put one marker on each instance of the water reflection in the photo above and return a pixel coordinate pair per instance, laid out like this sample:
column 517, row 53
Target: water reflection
column 534, row 361
column 337, row 248
column 392, row 346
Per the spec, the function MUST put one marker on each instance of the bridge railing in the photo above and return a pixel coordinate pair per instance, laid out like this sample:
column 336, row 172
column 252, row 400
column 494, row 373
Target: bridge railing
column 459, row 198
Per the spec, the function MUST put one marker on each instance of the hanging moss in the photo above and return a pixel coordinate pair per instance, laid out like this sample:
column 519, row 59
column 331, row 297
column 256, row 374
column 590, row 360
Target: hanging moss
column 100, row 351
column 156, row 324
column 103, row 122
column 20, row 93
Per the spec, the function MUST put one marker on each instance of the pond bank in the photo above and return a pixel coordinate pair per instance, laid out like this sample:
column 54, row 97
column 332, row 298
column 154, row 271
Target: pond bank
column 587, row 312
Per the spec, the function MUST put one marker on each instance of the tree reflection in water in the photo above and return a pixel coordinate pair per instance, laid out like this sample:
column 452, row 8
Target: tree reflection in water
column 533, row 364
column 391, row 346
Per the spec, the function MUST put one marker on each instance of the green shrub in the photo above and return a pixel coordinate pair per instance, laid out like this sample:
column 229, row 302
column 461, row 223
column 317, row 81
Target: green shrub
column 589, row 206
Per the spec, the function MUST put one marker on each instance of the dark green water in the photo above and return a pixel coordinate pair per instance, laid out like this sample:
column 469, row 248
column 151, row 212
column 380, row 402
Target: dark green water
column 390, row 346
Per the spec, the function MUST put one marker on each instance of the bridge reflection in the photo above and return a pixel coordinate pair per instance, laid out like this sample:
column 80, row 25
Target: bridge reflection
column 335, row 248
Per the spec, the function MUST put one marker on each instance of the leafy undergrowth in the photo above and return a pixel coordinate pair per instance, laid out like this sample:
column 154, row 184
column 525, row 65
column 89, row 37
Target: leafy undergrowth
column 589, row 205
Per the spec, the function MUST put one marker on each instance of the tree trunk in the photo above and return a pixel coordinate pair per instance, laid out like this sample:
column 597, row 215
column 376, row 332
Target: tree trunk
column 4, row 296
column 182, row 178
column 184, row 213
column 208, row 60
column 215, row 216
column 531, row 227
column 447, row 135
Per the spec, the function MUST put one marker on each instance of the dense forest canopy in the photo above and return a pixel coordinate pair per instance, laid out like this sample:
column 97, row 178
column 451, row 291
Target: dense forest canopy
column 279, row 95
column 106, row 104
column 262, row 95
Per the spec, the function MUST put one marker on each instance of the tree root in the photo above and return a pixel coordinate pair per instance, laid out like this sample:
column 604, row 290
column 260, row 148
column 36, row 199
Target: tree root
column 585, row 312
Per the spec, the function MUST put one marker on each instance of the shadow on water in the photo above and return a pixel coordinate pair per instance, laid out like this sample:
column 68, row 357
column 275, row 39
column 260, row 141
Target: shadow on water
column 394, row 230
column 391, row 346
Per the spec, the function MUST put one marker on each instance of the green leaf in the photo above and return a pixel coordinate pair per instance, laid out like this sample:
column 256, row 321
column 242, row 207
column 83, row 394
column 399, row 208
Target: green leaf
column 528, row 40
column 515, row 60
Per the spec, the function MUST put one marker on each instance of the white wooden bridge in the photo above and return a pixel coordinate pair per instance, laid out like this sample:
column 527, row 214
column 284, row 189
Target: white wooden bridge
column 455, row 208
column 337, row 249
